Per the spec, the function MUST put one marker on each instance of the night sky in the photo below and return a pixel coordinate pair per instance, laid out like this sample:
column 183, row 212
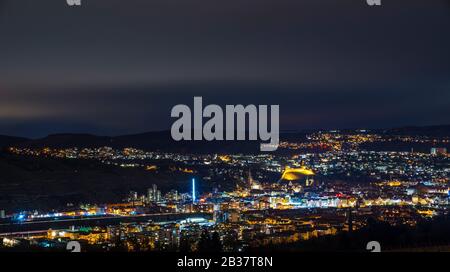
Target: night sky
column 118, row 66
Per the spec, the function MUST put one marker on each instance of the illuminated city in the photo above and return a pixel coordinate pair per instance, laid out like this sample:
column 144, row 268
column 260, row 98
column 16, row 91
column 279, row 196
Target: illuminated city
column 195, row 133
column 325, row 185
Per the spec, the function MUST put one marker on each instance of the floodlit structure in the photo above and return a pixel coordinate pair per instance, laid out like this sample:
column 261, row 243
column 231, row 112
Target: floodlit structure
column 301, row 174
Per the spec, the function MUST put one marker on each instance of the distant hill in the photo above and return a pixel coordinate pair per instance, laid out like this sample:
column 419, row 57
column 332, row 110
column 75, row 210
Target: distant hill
column 434, row 131
column 68, row 140
column 151, row 141
column 162, row 141
column 6, row 141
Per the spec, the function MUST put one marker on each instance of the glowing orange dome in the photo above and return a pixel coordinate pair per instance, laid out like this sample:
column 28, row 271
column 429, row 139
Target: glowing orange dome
column 292, row 174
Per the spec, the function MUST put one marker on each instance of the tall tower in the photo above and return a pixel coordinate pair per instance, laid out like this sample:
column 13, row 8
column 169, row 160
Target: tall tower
column 149, row 195
column 193, row 190
column 350, row 220
column 250, row 179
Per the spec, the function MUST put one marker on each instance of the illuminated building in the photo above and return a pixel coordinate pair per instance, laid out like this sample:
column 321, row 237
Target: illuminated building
column 153, row 194
column 301, row 174
column 253, row 184
column 438, row 151
column 233, row 216
column 10, row 242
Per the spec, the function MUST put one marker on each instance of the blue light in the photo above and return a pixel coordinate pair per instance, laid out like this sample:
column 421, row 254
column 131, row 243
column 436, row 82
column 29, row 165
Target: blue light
column 20, row 217
column 46, row 244
column 193, row 190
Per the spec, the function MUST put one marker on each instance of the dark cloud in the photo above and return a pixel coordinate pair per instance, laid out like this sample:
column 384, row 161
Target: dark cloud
column 115, row 66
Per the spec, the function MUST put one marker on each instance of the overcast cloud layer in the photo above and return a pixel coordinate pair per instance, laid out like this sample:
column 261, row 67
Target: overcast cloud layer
column 118, row 66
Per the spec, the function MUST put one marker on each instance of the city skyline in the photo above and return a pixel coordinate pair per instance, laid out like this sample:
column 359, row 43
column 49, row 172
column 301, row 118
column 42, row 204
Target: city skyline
column 325, row 187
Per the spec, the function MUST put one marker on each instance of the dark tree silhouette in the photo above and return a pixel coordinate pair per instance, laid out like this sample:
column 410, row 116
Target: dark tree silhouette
column 216, row 244
column 209, row 243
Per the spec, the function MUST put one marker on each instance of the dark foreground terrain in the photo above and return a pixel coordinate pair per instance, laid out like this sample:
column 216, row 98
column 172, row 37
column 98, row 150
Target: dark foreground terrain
column 35, row 183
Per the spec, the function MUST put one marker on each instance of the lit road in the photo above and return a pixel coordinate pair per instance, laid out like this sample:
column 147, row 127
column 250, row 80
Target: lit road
column 43, row 225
